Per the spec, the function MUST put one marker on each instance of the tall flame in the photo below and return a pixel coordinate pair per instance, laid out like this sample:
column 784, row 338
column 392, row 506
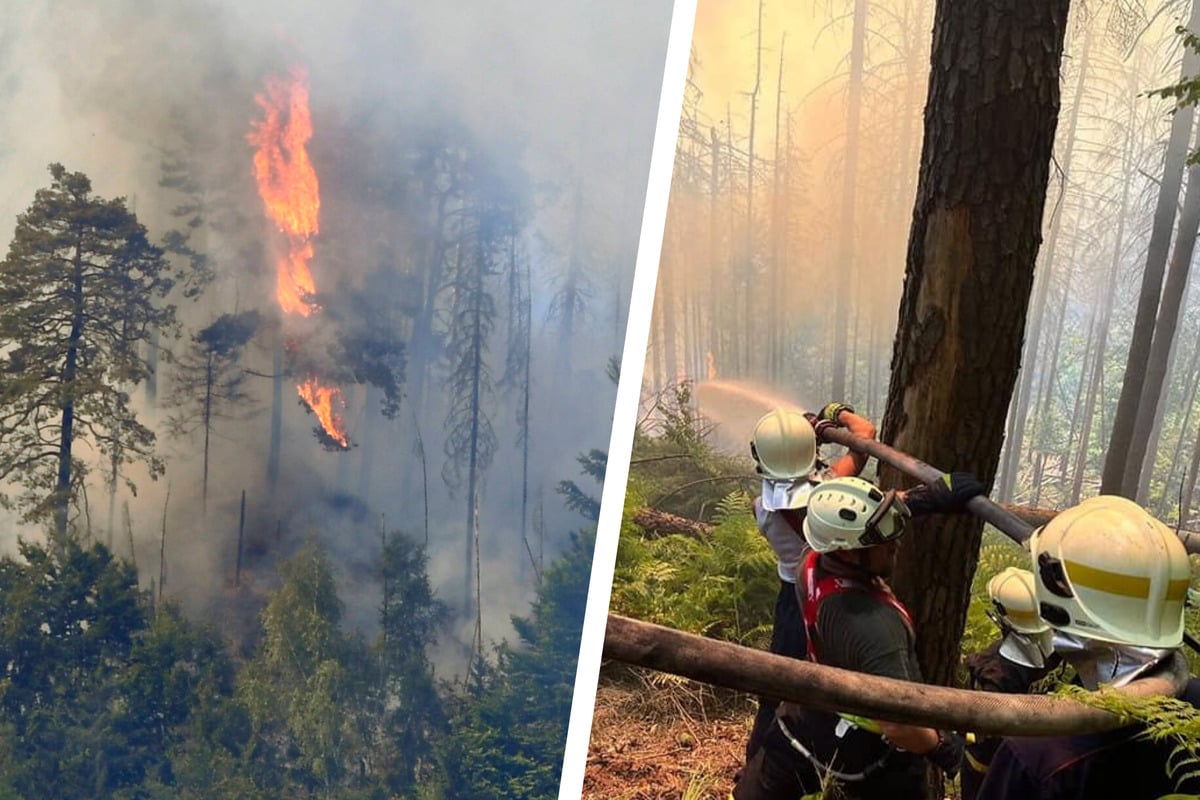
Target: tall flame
column 288, row 186
column 287, row 183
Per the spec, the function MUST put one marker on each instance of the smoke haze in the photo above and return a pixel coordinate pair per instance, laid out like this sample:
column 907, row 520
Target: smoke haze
column 558, row 99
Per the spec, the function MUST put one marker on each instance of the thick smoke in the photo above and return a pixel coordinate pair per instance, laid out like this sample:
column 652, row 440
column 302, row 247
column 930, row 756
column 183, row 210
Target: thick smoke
column 559, row 99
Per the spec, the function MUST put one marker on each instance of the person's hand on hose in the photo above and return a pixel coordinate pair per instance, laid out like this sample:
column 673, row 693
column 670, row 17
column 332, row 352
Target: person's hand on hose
column 832, row 411
column 949, row 494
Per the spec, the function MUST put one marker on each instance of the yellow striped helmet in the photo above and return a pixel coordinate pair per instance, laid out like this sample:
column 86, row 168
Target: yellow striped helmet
column 1108, row 570
column 1014, row 597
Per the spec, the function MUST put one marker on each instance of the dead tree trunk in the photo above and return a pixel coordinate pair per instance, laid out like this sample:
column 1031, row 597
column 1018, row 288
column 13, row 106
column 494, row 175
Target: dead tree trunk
column 989, row 129
column 1113, row 479
column 1155, row 370
column 845, row 262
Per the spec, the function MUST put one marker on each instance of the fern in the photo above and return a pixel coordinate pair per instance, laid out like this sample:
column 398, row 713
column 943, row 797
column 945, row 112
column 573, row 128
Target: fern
column 1161, row 718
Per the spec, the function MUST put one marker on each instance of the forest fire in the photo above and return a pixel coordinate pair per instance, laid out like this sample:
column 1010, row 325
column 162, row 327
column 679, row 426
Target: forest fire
column 321, row 400
column 288, row 186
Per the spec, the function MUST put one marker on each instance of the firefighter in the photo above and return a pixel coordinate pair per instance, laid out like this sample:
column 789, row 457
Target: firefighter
column 784, row 449
column 1022, row 656
column 853, row 621
column 1111, row 580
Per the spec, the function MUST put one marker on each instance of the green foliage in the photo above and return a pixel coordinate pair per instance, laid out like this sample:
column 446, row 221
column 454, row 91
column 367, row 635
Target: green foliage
column 996, row 553
column 722, row 585
column 104, row 697
column 410, row 620
column 80, row 289
column 509, row 719
column 675, row 467
column 1162, row 718
column 594, row 464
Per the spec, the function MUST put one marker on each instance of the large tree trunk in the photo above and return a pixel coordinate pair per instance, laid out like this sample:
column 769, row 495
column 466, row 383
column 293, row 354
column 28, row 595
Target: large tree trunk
column 1019, row 412
column 989, row 130
column 1113, row 479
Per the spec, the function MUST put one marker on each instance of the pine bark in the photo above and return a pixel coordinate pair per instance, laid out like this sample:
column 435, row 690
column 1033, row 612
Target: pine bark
column 990, row 120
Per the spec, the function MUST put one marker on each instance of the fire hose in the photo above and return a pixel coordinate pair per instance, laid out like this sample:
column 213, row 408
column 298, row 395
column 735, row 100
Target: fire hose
column 1004, row 520
column 831, row 689
column 982, row 506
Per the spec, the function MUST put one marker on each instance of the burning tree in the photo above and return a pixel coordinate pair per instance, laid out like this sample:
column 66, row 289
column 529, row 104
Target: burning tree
column 290, row 192
column 77, row 296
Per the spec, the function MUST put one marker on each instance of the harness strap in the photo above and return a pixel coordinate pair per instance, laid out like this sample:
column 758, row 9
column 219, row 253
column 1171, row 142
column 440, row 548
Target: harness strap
column 823, row 768
column 817, row 589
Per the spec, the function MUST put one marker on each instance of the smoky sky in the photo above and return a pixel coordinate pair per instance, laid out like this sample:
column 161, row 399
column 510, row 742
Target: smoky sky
column 560, row 97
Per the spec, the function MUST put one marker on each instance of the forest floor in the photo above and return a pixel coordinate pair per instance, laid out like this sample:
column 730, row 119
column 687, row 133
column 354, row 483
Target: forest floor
column 656, row 737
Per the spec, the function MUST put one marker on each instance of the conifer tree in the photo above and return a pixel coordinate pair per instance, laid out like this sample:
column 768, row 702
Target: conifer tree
column 77, row 295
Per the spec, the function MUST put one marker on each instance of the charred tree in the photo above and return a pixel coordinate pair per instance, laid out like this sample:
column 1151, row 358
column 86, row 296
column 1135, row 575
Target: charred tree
column 990, row 119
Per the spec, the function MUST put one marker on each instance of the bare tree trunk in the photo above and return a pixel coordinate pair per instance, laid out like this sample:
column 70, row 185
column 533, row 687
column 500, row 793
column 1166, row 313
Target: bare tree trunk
column 1105, row 302
column 778, row 246
column 1155, row 371
column 1189, row 404
column 845, row 262
column 1117, row 458
column 750, row 319
column 989, row 131
column 273, row 449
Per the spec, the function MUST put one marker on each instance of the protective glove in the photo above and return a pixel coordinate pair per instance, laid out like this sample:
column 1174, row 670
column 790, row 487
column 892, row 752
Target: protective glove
column 812, row 418
column 831, row 411
column 949, row 494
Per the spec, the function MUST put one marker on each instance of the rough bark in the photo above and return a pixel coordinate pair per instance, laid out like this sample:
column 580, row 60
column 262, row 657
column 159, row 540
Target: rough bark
column 1037, row 311
column 660, row 523
column 990, row 119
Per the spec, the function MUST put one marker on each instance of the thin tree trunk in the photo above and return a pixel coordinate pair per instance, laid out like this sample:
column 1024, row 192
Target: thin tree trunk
column 273, row 451
column 845, row 268
column 1116, row 460
column 750, row 318
column 1106, row 303
column 1155, row 371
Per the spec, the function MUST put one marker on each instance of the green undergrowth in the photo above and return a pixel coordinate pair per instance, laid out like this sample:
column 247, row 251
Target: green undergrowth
column 721, row 585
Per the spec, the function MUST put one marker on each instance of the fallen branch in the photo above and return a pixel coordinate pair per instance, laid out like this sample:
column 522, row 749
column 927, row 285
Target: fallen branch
column 660, row 523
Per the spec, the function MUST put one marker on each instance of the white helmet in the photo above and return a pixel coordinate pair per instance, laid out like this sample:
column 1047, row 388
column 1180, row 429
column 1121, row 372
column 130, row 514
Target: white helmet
column 851, row 513
column 1107, row 570
column 784, row 445
column 1014, row 597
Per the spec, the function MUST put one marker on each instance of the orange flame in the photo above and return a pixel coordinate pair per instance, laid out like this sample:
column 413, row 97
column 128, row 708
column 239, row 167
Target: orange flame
column 287, row 182
column 288, row 186
column 321, row 399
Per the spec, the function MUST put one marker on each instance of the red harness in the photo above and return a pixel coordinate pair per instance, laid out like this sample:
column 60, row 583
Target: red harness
column 817, row 589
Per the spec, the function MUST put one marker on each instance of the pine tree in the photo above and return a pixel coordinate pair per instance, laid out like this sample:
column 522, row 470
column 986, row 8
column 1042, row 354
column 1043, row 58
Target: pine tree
column 77, row 295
